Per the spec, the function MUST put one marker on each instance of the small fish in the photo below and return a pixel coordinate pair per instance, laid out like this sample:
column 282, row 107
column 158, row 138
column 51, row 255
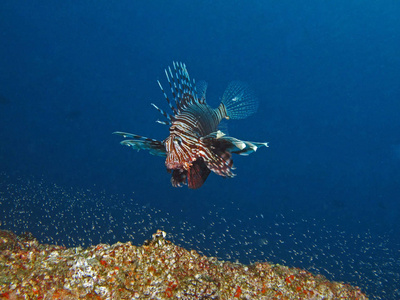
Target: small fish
column 196, row 145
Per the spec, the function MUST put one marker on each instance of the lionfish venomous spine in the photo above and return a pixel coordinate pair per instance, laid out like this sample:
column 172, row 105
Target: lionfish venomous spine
column 196, row 146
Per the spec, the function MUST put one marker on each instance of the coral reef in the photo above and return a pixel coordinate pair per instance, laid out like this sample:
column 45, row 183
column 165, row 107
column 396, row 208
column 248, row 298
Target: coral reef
column 156, row 270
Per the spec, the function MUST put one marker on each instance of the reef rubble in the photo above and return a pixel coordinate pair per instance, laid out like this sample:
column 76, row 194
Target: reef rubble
column 156, row 270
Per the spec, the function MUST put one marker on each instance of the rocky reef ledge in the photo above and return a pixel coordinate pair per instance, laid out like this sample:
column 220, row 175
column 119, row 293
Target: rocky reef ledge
column 156, row 270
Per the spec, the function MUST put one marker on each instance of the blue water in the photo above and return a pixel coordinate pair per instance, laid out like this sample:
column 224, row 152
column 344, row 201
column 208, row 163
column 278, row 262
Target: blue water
column 325, row 194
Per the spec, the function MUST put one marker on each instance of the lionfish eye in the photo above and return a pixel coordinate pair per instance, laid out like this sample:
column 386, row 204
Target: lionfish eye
column 178, row 139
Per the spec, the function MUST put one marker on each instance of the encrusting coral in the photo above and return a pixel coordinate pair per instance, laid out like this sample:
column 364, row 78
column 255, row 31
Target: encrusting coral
column 156, row 270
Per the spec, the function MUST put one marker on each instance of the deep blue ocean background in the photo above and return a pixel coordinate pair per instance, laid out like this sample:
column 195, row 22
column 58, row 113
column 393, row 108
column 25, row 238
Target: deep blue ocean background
column 324, row 196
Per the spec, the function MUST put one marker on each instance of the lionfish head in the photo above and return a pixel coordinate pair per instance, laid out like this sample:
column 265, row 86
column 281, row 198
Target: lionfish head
column 184, row 162
column 178, row 152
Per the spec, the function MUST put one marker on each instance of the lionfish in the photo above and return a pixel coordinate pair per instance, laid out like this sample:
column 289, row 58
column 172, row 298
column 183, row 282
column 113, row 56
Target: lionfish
column 196, row 145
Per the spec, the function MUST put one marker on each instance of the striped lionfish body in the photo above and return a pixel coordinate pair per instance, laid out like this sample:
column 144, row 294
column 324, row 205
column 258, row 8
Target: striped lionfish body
column 195, row 146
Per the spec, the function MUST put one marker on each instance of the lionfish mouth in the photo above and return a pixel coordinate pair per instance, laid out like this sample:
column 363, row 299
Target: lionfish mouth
column 174, row 165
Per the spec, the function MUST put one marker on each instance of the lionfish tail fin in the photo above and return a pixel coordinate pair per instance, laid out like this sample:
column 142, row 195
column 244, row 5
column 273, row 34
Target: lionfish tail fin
column 138, row 142
column 239, row 101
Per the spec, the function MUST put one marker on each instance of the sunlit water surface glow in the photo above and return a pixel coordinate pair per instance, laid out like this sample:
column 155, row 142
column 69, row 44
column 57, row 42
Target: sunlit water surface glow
column 73, row 217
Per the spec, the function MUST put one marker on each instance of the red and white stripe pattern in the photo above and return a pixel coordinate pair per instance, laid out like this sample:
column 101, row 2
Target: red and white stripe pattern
column 195, row 146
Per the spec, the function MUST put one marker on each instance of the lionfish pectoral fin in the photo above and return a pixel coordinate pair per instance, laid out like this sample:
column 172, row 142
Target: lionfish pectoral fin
column 138, row 142
column 178, row 177
column 250, row 147
column 197, row 174
column 214, row 135
column 234, row 145
column 243, row 147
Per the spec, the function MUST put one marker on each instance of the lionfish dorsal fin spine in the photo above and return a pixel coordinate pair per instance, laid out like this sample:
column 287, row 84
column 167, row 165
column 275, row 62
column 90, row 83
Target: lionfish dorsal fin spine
column 183, row 89
column 194, row 90
column 184, row 85
column 166, row 97
column 164, row 122
column 188, row 91
column 174, row 88
column 168, row 116
column 179, row 90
